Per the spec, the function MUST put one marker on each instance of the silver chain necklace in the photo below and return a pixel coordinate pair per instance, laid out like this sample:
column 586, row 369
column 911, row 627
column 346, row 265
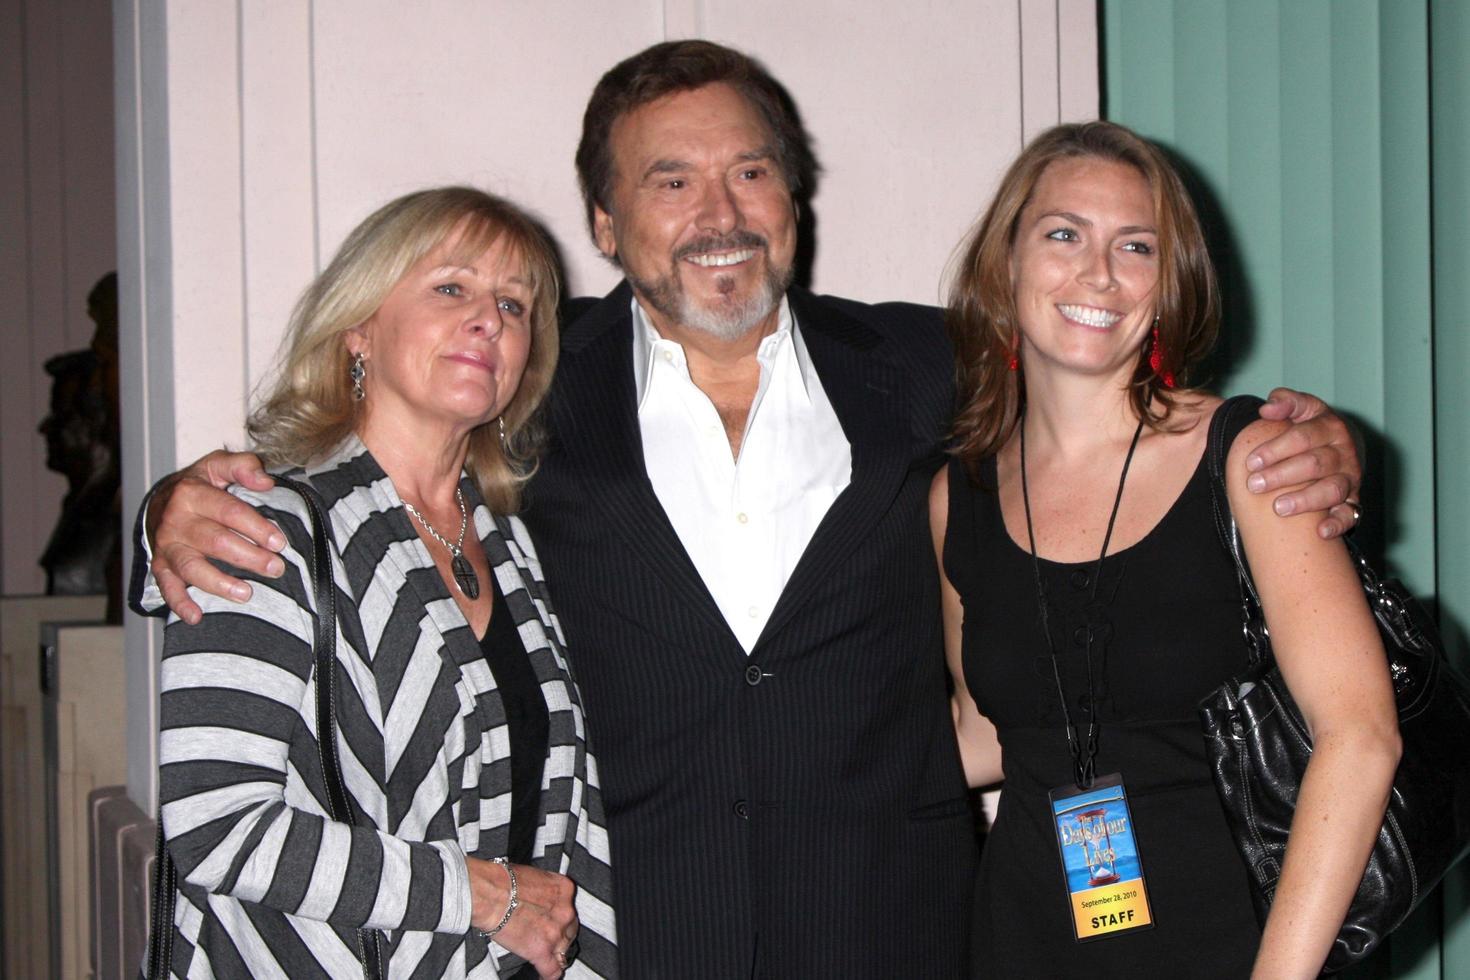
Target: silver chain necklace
column 464, row 572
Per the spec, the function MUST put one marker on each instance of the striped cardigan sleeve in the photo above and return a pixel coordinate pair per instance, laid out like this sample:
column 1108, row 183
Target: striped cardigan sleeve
column 240, row 779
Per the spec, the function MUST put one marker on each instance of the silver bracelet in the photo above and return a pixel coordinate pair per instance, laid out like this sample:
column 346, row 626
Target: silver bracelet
column 510, row 906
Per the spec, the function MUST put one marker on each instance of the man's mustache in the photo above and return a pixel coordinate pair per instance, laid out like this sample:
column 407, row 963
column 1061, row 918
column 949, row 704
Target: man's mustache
column 720, row 243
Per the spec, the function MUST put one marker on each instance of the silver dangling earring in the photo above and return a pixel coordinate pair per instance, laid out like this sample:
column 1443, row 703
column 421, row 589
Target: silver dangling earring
column 505, row 449
column 357, row 372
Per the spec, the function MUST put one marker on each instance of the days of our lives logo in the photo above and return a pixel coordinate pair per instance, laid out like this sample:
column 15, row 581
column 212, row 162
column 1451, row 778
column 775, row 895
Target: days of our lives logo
column 1076, row 832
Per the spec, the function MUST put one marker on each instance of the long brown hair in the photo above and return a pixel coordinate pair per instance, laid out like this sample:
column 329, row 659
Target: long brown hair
column 982, row 316
column 309, row 409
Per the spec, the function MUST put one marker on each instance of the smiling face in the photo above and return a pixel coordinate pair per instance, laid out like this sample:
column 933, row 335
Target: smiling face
column 701, row 217
column 447, row 348
column 1084, row 267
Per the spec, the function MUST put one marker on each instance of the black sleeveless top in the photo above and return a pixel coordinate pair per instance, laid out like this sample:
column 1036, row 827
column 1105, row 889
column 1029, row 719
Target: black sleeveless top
column 525, row 716
column 1167, row 632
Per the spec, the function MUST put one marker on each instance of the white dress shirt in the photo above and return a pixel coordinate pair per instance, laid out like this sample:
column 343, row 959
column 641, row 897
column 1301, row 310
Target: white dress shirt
column 746, row 522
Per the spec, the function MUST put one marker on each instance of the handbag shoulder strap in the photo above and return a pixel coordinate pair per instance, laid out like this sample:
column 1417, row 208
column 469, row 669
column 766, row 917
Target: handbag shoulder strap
column 1223, row 428
column 324, row 648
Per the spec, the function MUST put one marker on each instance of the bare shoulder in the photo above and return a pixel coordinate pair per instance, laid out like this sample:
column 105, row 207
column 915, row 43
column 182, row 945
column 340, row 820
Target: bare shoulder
column 1171, row 450
column 1259, row 431
column 1242, row 501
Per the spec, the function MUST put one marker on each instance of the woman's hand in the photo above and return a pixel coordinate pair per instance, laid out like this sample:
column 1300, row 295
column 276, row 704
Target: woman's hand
column 191, row 519
column 544, row 923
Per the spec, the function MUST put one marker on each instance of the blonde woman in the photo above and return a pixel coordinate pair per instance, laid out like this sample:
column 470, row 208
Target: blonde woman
column 411, row 372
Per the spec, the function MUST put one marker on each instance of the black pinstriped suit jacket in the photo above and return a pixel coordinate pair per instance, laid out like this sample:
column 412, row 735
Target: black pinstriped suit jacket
column 798, row 812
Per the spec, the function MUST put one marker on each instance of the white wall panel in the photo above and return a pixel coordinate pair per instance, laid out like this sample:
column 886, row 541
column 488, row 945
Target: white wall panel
column 464, row 92
column 1077, row 59
column 206, row 278
column 912, row 118
column 278, row 185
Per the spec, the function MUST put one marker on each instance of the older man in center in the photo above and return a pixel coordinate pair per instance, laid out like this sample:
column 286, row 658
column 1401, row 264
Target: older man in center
column 731, row 505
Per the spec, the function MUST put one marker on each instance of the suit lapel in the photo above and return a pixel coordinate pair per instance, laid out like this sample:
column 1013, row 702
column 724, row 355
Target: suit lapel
column 596, row 419
column 867, row 393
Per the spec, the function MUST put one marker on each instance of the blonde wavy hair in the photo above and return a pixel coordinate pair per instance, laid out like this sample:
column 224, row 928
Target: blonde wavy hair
column 309, row 409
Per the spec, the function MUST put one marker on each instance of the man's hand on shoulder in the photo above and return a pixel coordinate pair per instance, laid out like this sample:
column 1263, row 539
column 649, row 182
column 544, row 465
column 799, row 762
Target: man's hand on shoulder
column 1318, row 450
column 191, row 518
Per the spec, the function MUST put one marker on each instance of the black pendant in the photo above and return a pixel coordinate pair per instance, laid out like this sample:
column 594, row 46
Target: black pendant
column 465, row 577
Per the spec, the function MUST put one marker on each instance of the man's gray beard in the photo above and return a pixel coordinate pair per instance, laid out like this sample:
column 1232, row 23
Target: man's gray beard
column 727, row 322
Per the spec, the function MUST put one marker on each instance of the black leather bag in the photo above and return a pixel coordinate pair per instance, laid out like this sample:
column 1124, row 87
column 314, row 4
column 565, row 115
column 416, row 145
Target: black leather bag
column 1259, row 747
column 339, row 807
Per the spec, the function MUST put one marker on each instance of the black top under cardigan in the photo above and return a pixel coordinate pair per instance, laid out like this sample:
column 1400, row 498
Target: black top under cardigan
column 525, row 716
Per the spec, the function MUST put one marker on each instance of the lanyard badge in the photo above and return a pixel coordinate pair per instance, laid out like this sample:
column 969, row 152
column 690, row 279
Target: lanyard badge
column 1101, row 867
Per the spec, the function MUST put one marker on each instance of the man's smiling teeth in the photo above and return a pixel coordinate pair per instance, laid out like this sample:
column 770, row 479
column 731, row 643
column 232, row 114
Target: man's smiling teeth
column 713, row 260
column 1090, row 316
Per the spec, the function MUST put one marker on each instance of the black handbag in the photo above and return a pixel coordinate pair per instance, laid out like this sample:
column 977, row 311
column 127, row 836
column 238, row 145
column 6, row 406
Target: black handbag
column 1258, row 746
column 339, row 807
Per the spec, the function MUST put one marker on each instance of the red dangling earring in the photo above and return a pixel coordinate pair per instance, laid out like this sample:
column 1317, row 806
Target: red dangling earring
column 1156, row 359
column 1015, row 361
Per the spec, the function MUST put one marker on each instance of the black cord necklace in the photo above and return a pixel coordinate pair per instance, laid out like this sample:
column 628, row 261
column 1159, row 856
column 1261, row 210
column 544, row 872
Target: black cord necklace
column 1083, row 769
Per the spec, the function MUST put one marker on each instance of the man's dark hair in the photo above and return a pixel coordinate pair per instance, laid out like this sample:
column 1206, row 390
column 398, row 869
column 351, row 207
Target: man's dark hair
column 681, row 66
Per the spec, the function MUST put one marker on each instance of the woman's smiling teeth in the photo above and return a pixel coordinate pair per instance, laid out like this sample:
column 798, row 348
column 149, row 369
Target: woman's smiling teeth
column 714, row 260
column 1089, row 316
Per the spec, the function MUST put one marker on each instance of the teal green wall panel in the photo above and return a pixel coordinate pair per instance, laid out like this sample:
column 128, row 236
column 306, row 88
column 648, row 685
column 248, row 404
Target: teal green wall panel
column 1246, row 99
column 1147, row 82
column 1407, row 290
column 1330, row 142
column 1308, row 316
column 1355, row 232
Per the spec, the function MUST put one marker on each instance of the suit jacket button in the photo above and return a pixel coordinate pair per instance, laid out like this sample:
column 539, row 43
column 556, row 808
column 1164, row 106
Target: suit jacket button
column 753, row 675
column 742, row 809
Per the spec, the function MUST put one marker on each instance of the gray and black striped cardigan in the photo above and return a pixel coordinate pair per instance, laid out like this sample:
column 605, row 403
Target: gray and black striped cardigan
column 270, row 886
